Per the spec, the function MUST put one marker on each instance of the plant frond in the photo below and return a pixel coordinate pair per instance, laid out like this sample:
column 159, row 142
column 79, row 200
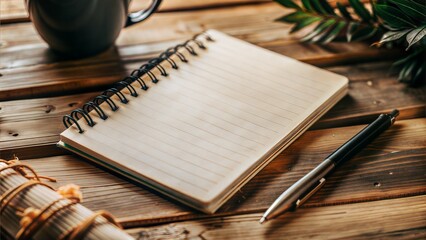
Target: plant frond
column 393, row 17
column 335, row 23
column 412, row 68
column 415, row 36
column 397, row 21
column 412, row 9
column 361, row 10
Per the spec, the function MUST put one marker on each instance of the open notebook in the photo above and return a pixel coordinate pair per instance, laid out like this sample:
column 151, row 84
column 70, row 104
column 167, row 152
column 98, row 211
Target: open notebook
column 225, row 109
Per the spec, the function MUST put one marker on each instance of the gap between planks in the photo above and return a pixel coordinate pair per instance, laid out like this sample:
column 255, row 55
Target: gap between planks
column 252, row 23
column 31, row 70
column 390, row 167
column 378, row 219
column 31, row 127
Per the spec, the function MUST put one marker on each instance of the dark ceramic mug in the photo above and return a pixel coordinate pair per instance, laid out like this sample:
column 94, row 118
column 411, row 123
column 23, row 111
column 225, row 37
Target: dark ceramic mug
column 79, row 28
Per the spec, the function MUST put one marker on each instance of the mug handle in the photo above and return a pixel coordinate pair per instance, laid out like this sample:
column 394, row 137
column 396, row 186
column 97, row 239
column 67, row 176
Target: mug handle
column 141, row 15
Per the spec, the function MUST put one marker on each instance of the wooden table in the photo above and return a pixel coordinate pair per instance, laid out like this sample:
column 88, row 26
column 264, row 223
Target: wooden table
column 378, row 194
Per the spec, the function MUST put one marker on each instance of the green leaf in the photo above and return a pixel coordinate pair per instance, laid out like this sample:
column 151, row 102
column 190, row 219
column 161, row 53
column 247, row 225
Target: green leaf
column 393, row 16
column 323, row 26
column 326, row 6
column 393, row 36
column 288, row 4
column 360, row 10
column 318, row 38
column 364, row 33
column 405, row 73
column 406, row 59
column 412, row 67
column 304, row 23
column 344, row 11
column 317, row 7
column 302, row 19
column 334, row 32
column 352, row 27
column 411, row 8
column 374, row 15
column 294, row 17
column 419, row 74
column 307, row 5
column 415, row 35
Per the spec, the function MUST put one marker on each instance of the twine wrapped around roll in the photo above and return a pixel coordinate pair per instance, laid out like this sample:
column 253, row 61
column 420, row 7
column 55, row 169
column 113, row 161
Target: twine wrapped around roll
column 31, row 209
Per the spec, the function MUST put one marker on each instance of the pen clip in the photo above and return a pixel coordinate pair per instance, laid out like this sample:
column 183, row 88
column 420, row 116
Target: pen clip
column 299, row 202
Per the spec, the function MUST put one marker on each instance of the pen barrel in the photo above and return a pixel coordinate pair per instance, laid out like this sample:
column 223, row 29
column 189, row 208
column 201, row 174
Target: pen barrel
column 360, row 140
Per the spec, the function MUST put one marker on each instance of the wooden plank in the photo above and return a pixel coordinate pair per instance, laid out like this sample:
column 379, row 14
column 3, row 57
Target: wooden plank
column 14, row 10
column 373, row 89
column 391, row 167
column 403, row 218
column 160, row 27
column 369, row 95
column 254, row 23
column 30, row 128
column 30, row 70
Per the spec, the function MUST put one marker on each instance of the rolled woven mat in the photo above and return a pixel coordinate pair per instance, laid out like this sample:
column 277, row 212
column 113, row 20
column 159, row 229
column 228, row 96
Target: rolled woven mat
column 31, row 209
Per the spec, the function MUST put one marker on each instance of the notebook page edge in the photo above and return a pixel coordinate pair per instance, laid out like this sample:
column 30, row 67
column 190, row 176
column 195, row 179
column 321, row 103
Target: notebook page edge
column 138, row 178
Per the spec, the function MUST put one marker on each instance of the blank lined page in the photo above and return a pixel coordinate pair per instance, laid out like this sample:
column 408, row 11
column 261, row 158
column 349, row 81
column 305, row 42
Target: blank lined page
column 206, row 125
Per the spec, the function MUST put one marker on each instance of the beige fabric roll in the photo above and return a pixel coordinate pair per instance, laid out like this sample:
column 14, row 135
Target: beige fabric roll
column 39, row 196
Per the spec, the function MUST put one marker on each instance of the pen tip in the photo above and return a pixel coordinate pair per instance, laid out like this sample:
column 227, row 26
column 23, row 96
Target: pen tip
column 262, row 220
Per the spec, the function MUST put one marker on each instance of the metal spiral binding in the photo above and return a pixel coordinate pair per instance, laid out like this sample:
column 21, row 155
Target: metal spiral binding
column 135, row 76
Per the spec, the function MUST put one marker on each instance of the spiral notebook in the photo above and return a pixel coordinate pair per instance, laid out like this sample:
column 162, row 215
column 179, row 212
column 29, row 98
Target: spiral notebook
column 203, row 118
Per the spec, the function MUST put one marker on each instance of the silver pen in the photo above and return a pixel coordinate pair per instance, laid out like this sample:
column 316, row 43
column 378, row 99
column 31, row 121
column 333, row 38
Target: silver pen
column 303, row 189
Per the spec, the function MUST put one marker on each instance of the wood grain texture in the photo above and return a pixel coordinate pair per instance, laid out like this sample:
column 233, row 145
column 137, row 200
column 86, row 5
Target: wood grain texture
column 378, row 194
column 253, row 23
column 371, row 220
column 373, row 89
column 32, row 126
column 29, row 69
column 29, row 124
column 391, row 167
column 12, row 11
